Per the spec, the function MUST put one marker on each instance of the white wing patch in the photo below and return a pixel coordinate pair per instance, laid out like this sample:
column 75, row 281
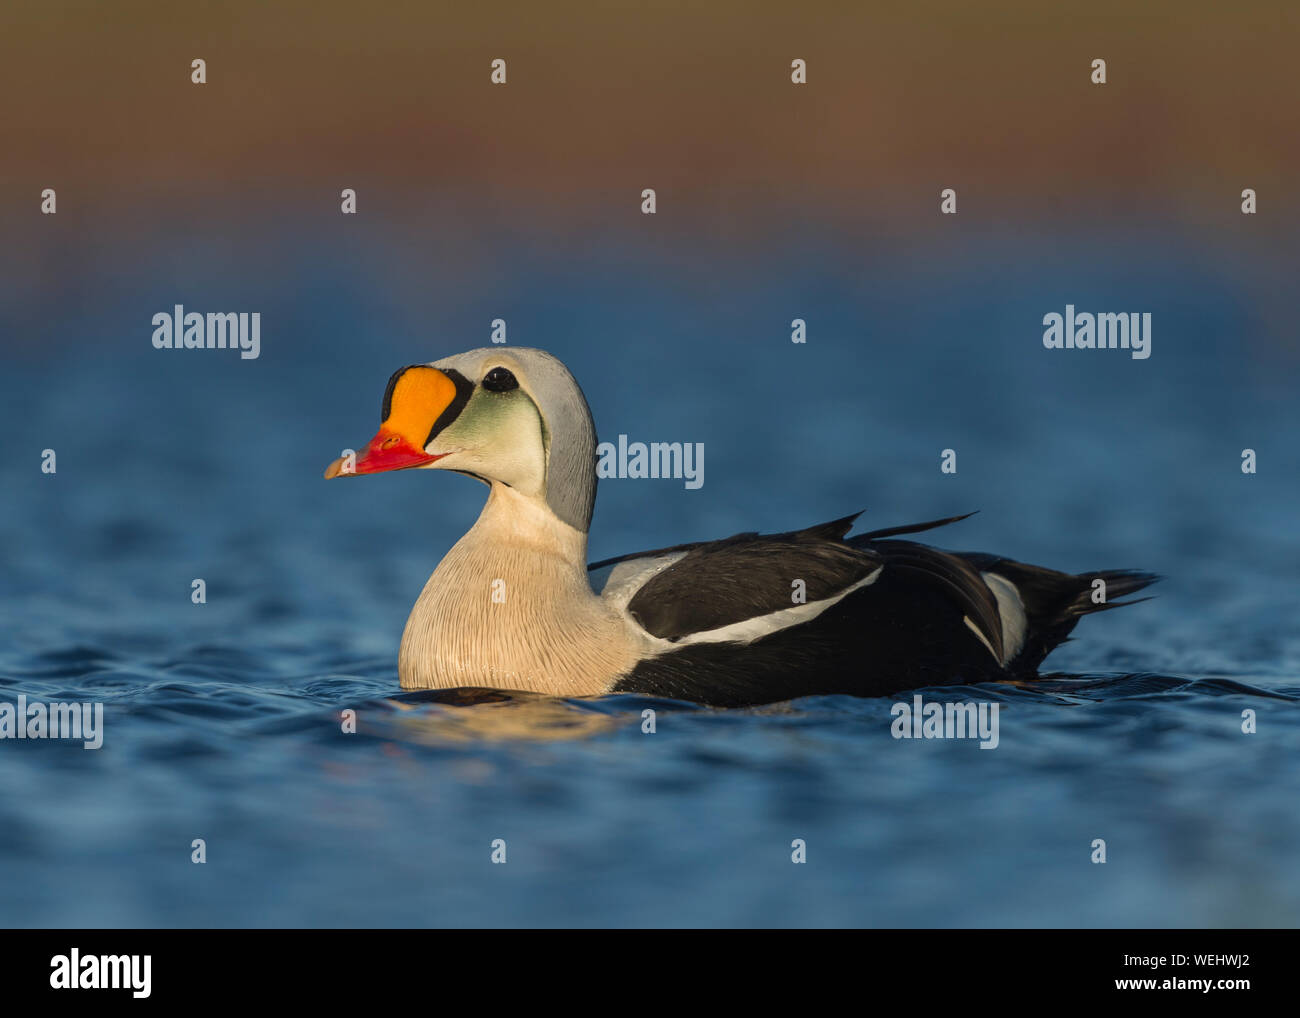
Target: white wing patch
column 626, row 578
column 1011, row 610
column 749, row 630
column 982, row 638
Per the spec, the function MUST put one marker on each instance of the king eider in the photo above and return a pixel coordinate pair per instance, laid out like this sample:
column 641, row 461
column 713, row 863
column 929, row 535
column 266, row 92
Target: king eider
column 514, row 604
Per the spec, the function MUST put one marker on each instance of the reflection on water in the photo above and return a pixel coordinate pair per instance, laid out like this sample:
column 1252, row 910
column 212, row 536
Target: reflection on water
column 468, row 715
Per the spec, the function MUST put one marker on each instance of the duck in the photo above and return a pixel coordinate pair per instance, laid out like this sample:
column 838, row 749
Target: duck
column 742, row 621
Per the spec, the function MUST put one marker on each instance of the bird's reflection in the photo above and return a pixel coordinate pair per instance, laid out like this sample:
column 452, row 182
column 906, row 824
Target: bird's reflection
column 473, row 714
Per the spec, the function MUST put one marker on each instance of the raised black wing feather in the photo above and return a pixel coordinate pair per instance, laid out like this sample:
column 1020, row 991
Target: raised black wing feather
column 829, row 531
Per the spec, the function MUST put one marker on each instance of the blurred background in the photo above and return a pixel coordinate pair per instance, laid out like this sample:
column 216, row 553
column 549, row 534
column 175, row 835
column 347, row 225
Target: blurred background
column 522, row 202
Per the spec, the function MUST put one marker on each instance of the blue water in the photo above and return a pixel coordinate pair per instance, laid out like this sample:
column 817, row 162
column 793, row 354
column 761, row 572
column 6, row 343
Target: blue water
column 222, row 719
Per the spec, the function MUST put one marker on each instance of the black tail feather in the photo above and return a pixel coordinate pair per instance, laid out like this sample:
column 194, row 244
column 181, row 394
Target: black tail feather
column 1119, row 583
column 1054, row 602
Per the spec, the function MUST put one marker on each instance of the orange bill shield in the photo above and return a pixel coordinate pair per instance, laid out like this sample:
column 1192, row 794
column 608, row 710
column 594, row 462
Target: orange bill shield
column 416, row 399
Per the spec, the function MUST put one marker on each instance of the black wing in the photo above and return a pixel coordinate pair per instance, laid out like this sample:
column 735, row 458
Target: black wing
column 719, row 583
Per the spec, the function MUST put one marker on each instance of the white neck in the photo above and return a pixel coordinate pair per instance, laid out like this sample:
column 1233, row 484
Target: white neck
column 511, row 607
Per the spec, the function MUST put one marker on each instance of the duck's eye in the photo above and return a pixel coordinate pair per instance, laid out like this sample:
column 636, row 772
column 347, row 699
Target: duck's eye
column 500, row 380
